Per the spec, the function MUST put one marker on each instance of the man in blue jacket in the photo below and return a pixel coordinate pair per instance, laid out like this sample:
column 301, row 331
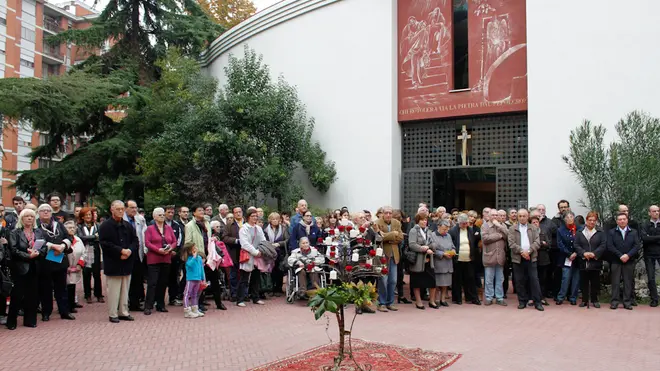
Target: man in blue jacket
column 624, row 244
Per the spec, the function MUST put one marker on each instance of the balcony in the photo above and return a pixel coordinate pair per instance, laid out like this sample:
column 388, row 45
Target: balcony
column 52, row 55
column 52, row 25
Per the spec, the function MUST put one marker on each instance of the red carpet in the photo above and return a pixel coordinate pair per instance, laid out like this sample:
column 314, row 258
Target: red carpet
column 377, row 356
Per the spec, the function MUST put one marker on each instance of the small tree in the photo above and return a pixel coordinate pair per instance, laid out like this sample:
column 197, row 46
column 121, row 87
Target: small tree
column 228, row 13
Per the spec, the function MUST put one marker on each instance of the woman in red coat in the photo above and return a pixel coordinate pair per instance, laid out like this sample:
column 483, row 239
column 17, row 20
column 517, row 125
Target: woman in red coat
column 160, row 241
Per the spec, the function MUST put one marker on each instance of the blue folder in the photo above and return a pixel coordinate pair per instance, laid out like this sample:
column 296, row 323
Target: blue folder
column 54, row 258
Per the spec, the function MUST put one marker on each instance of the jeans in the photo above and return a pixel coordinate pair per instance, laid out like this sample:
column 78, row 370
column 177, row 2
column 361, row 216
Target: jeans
column 494, row 278
column 387, row 284
column 569, row 275
column 650, row 271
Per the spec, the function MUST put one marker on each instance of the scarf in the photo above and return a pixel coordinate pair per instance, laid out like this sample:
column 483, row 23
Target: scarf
column 572, row 228
column 273, row 235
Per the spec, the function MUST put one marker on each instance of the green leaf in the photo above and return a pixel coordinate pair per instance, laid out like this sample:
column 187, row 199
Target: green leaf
column 319, row 312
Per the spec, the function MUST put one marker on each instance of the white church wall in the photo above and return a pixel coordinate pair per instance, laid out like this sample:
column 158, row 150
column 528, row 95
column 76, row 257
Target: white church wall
column 341, row 59
column 590, row 59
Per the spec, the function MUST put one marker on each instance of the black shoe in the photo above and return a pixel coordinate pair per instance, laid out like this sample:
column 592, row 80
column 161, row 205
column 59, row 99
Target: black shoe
column 73, row 310
column 11, row 327
column 505, row 297
column 634, row 303
column 522, row 306
column 614, row 306
column 596, row 304
column 583, row 304
column 539, row 307
column 233, row 299
column 420, row 307
column 221, row 306
column 100, row 299
column 358, row 310
column 78, row 305
column 573, row 302
column 162, row 310
column 559, row 302
column 45, row 318
column 444, row 303
column 403, row 300
column 31, row 325
column 368, row 310
column 476, row 302
column 457, row 302
column 147, row 312
column 544, row 302
column 114, row 320
column 434, row 306
column 654, row 304
column 126, row 318
column 629, row 307
column 68, row 316
column 530, row 304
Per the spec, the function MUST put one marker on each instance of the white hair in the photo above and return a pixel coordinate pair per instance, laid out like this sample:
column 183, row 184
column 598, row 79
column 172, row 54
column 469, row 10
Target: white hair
column 117, row 202
column 223, row 207
column 214, row 223
column 45, row 207
column 24, row 213
column 158, row 210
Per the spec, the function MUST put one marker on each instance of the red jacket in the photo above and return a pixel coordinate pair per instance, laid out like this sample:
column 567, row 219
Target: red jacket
column 154, row 242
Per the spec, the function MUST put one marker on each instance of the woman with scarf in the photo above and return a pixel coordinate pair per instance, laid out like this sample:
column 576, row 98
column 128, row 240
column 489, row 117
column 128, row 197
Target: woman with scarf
column 278, row 235
column 306, row 228
column 442, row 244
column 570, row 277
column 250, row 236
column 24, row 266
column 306, row 262
column 53, row 267
column 422, row 273
column 76, row 264
column 88, row 233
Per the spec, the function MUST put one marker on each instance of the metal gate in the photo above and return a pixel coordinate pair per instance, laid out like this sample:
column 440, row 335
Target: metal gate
column 497, row 141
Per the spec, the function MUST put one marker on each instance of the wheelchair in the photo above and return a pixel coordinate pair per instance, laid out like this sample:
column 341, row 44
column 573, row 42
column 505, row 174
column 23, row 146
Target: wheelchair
column 293, row 289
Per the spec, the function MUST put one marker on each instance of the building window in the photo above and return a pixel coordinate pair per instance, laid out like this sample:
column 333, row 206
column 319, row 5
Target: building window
column 28, row 34
column 45, row 163
column 25, row 63
column 460, row 37
column 3, row 22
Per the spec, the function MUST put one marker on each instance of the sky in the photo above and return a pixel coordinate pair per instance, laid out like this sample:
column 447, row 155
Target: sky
column 259, row 4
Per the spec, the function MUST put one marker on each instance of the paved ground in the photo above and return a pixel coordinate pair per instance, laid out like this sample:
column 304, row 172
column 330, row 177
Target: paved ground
column 493, row 338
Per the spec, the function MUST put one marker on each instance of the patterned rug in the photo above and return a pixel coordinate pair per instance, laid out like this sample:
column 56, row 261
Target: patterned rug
column 369, row 355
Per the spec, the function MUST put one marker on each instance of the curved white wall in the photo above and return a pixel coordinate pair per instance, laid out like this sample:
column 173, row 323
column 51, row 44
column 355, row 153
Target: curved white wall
column 588, row 59
column 341, row 58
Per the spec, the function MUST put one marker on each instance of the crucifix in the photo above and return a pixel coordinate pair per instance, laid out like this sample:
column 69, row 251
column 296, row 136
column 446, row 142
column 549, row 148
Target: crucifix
column 464, row 138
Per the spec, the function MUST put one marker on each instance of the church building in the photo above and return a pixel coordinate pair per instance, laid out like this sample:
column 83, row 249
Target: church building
column 459, row 103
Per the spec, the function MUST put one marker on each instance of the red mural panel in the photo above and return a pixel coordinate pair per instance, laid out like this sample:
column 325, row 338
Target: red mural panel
column 497, row 58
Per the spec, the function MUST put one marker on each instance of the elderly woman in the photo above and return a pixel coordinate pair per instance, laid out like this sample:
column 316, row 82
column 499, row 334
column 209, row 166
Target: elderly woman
column 250, row 237
column 570, row 268
column 88, row 233
column 306, row 261
column 278, row 235
column 76, row 264
column 443, row 247
column 160, row 241
column 306, row 228
column 590, row 245
column 23, row 265
column 422, row 273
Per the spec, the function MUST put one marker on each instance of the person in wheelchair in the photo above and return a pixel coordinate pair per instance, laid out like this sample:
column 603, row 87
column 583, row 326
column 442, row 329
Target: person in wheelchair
column 306, row 262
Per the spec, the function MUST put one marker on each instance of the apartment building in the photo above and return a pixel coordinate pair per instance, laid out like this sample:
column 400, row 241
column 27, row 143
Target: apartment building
column 24, row 26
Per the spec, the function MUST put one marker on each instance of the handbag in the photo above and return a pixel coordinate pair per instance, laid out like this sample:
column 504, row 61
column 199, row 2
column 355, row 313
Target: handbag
column 244, row 256
column 7, row 285
column 266, row 282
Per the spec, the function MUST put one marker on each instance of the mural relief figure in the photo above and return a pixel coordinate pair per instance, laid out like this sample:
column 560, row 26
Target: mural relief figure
column 498, row 36
column 415, row 47
column 438, row 30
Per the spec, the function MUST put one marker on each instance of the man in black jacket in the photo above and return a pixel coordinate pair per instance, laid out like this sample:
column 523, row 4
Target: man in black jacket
column 11, row 217
column 650, row 232
column 612, row 224
column 463, row 276
column 119, row 243
column 623, row 242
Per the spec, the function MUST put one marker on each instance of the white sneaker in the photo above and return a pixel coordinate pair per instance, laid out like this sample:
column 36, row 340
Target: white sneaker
column 241, row 304
column 188, row 313
column 260, row 302
column 196, row 312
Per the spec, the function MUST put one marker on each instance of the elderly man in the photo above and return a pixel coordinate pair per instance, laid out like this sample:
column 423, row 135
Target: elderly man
column 549, row 230
column 300, row 211
column 623, row 243
column 119, row 244
column 136, row 291
column 651, row 237
column 223, row 211
column 494, row 237
column 392, row 237
column 513, row 217
column 466, row 243
column 524, row 244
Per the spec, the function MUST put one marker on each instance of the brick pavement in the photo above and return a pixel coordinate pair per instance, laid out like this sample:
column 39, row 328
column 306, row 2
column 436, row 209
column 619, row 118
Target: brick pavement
column 493, row 338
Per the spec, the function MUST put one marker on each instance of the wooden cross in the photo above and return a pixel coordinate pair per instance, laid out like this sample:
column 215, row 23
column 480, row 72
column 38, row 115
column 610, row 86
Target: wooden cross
column 464, row 138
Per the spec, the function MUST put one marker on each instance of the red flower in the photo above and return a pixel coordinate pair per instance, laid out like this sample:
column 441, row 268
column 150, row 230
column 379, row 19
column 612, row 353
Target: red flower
column 332, row 248
column 368, row 266
column 332, row 262
column 312, row 264
column 341, row 228
column 310, row 267
column 362, row 229
column 367, row 242
column 349, row 268
column 331, row 232
column 332, row 254
column 372, row 252
column 360, row 240
column 384, row 271
column 383, row 260
column 348, row 228
column 319, row 240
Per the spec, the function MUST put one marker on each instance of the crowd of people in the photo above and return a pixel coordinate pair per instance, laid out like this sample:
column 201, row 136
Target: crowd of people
column 185, row 255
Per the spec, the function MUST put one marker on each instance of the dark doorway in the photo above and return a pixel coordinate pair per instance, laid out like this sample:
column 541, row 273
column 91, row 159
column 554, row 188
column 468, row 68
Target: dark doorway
column 465, row 188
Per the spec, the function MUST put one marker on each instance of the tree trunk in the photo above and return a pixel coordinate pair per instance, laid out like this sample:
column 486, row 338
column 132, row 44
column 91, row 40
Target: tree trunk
column 342, row 334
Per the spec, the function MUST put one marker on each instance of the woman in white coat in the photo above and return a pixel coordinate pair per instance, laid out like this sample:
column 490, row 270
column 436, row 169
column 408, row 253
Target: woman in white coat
column 76, row 264
column 250, row 237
